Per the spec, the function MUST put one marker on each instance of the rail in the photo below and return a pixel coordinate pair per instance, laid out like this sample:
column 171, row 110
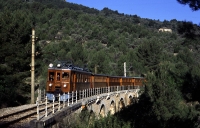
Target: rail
column 18, row 117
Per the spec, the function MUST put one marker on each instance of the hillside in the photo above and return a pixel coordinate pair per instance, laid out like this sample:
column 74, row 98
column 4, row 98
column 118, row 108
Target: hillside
column 170, row 61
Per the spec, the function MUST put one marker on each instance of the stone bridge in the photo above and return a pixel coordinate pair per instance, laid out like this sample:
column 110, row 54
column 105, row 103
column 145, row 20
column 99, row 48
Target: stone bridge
column 100, row 103
column 111, row 102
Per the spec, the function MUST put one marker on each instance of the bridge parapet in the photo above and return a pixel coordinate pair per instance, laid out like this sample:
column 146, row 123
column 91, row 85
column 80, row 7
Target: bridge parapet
column 99, row 100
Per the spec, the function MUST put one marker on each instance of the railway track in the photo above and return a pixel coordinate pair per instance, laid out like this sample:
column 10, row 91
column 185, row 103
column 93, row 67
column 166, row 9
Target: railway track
column 21, row 116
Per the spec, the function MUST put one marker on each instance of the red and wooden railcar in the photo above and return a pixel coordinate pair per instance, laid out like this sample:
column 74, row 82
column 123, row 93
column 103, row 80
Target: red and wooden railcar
column 66, row 78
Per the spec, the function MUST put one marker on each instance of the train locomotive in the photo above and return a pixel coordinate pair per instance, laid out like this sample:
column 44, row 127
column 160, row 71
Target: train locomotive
column 64, row 78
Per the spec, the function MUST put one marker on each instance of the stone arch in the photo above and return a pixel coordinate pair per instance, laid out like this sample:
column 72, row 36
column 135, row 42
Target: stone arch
column 112, row 108
column 135, row 97
column 127, row 99
column 134, row 94
column 89, row 107
column 92, row 116
column 121, row 104
column 130, row 100
column 102, row 111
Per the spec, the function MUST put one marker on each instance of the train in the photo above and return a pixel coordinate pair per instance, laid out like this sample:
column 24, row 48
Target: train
column 64, row 78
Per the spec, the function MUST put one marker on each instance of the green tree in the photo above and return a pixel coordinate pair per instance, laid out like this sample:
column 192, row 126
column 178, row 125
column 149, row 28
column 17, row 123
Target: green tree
column 194, row 4
column 15, row 56
column 101, row 60
column 150, row 54
column 79, row 56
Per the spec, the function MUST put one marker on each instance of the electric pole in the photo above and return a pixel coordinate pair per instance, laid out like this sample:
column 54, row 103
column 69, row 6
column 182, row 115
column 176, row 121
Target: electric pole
column 125, row 69
column 33, row 67
column 95, row 68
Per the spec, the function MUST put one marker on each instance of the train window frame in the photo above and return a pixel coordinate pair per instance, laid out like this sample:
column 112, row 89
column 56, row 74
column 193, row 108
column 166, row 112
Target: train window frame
column 51, row 76
column 58, row 76
column 65, row 75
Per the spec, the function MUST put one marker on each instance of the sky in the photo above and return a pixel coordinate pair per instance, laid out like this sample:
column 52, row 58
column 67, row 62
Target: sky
column 151, row 9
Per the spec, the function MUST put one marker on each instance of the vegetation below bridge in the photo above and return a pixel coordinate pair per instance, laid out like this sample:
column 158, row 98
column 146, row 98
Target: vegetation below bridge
column 169, row 61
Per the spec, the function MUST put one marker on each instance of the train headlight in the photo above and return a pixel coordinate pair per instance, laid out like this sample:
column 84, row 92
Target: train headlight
column 65, row 85
column 51, row 65
column 58, row 65
column 50, row 84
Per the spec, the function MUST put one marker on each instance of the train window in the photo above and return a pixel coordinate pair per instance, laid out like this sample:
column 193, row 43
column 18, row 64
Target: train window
column 65, row 75
column 86, row 79
column 51, row 76
column 58, row 76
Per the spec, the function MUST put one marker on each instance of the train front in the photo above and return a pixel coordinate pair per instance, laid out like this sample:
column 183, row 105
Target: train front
column 58, row 82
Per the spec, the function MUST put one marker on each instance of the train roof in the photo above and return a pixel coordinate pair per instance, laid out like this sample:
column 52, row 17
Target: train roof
column 63, row 65
column 136, row 77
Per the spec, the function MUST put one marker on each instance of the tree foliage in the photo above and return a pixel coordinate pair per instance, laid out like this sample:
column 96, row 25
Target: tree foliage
column 103, row 41
column 194, row 4
column 15, row 55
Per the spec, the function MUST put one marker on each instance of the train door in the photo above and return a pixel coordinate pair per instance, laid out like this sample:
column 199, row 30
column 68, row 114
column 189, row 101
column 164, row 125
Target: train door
column 50, row 82
column 57, row 83
column 65, row 78
column 58, row 76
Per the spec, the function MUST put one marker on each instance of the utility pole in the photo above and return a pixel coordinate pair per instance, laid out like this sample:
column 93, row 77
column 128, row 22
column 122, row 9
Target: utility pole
column 95, row 68
column 125, row 69
column 33, row 67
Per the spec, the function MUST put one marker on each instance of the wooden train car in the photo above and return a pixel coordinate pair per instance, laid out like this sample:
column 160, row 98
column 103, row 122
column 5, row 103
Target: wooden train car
column 65, row 78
